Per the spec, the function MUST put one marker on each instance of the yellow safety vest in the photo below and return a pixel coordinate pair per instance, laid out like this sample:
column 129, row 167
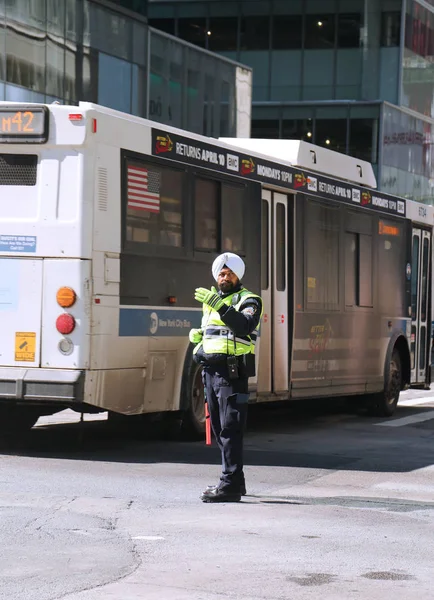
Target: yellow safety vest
column 218, row 338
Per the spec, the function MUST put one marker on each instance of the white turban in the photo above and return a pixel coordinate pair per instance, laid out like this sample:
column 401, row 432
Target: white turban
column 232, row 261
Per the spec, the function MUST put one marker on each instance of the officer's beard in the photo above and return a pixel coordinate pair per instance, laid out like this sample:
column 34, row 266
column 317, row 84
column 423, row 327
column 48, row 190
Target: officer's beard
column 227, row 287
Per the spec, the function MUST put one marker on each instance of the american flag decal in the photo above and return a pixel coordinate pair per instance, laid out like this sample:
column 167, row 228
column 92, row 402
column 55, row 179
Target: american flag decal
column 143, row 189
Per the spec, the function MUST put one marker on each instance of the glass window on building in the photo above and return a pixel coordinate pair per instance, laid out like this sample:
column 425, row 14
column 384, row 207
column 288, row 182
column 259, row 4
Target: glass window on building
column 193, row 30
column 167, row 25
column 331, row 128
column 320, row 31
column 112, row 69
column 222, row 34
column 297, row 129
column 349, row 30
column 364, row 139
column 287, row 32
column 390, row 29
column 255, row 33
column 417, row 79
column 25, row 59
column 332, row 134
column 194, row 97
column 265, row 128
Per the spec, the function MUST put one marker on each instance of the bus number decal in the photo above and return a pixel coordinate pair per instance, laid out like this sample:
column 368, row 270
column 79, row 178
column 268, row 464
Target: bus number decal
column 27, row 125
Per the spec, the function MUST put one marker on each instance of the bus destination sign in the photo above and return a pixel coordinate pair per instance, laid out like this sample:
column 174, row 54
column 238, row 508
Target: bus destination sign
column 232, row 162
column 26, row 125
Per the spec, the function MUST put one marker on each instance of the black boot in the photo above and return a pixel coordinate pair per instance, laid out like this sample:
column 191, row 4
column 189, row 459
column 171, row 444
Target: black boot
column 243, row 490
column 218, row 494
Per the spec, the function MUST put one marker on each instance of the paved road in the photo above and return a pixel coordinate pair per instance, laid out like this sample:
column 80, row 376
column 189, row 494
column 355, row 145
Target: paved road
column 340, row 506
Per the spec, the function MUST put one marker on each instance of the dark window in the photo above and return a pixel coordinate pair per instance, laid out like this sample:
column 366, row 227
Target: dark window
column 424, row 291
column 415, row 277
column 265, row 228
column 154, row 204
column 167, row 25
column 417, row 30
column 390, row 29
column 351, row 269
column 206, row 196
column 413, row 346
column 297, row 129
column 255, row 33
column 349, row 27
column 391, row 247
column 331, row 133
column 193, row 30
column 287, row 32
column 320, row 31
column 422, row 357
column 18, row 169
column 281, row 248
column 232, row 218
column 322, row 250
column 222, row 34
column 363, row 139
column 265, row 128
column 137, row 6
column 358, row 270
column 365, row 270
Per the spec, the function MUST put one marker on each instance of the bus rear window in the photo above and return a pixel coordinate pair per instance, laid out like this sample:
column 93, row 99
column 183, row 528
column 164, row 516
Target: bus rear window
column 18, row 169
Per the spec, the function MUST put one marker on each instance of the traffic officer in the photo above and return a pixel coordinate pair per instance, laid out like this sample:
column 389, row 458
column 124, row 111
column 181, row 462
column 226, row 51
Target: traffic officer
column 225, row 346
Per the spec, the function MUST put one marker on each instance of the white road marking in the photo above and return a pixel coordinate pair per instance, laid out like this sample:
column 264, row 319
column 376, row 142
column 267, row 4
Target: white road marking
column 426, row 416
column 148, row 537
column 416, row 401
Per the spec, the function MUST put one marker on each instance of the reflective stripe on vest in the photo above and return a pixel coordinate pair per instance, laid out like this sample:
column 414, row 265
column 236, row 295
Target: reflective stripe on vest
column 218, row 338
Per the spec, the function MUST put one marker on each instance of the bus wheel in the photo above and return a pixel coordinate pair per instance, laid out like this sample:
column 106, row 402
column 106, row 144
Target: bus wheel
column 15, row 420
column 193, row 423
column 384, row 403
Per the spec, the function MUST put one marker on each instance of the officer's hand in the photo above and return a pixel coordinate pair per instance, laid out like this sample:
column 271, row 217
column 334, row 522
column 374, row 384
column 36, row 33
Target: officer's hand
column 209, row 297
column 195, row 336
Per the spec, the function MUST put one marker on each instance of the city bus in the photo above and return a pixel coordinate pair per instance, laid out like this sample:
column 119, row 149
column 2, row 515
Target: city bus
column 108, row 223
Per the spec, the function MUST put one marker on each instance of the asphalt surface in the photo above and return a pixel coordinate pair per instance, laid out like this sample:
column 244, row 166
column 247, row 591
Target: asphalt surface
column 339, row 505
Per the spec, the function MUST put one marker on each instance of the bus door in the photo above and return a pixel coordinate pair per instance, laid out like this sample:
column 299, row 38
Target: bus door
column 273, row 371
column 421, row 249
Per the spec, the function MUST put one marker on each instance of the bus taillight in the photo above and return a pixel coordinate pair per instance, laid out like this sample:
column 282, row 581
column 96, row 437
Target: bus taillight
column 66, row 297
column 65, row 324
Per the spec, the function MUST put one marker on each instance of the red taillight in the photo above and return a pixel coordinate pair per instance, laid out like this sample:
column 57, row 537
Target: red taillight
column 65, row 324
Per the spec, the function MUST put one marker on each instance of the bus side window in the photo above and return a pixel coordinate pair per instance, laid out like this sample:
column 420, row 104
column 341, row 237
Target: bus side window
column 154, row 204
column 358, row 269
column 322, row 251
column 232, row 218
column 206, row 215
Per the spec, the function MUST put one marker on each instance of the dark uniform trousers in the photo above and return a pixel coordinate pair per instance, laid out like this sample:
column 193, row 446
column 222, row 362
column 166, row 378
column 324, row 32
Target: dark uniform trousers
column 227, row 404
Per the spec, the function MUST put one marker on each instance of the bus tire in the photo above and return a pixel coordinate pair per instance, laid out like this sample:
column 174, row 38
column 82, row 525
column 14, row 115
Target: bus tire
column 192, row 400
column 384, row 403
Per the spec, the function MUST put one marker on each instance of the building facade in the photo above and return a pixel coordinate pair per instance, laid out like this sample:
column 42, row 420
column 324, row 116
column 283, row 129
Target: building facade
column 356, row 76
column 104, row 52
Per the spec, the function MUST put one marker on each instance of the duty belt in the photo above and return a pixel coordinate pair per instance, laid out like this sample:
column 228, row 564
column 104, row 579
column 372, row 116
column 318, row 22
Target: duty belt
column 211, row 332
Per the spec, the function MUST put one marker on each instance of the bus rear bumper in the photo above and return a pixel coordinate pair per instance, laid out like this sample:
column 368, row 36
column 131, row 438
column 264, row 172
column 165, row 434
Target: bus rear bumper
column 43, row 385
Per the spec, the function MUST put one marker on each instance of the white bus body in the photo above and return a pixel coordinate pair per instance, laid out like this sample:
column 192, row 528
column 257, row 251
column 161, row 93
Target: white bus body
column 62, row 188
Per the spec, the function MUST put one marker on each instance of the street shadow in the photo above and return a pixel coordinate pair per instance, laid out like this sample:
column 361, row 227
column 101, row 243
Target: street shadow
column 310, row 435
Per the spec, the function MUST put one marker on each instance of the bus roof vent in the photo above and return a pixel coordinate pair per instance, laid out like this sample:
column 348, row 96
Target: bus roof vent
column 309, row 156
column 102, row 188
